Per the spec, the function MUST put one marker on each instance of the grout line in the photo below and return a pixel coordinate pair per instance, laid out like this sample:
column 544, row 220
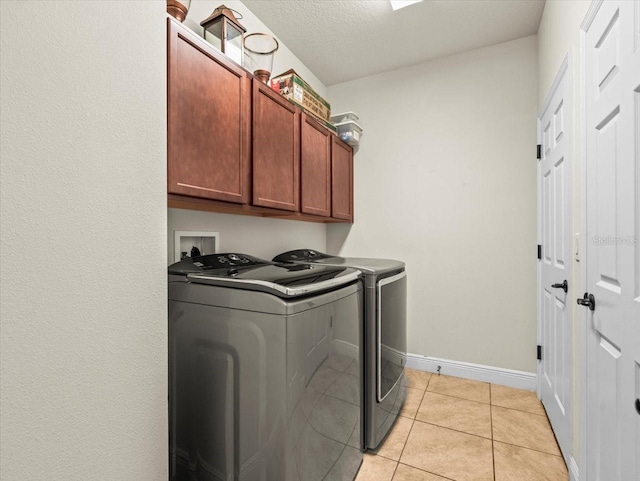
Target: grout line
column 419, row 403
column 519, row 410
column 451, row 429
column 428, row 382
column 425, row 471
column 462, row 398
column 383, row 456
column 530, row 449
column 394, row 471
column 458, row 397
column 493, row 453
column 525, row 447
column 405, row 442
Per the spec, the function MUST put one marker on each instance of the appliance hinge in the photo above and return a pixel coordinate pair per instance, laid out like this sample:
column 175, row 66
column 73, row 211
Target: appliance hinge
column 539, row 352
column 539, row 252
column 539, row 152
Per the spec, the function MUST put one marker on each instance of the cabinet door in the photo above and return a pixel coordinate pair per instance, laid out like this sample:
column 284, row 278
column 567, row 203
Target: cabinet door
column 315, row 167
column 276, row 150
column 208, row 124
column 341, row 180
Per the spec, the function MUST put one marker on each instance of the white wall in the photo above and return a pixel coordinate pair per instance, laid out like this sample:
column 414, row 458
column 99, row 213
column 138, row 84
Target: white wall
column 257, row 236
column 83, row 227
column 559, row 35
column 445, row 180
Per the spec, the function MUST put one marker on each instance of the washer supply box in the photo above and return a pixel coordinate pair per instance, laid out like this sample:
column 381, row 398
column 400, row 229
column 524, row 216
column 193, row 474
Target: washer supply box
column 290, row 85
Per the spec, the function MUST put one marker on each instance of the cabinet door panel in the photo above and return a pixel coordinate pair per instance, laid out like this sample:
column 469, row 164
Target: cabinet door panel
column 315, row 168
column 208, row 121
column 276, row 150
column 342, row 180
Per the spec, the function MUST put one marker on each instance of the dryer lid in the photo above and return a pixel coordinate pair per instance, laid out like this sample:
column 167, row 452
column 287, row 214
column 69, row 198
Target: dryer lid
column 366, row 265
column 246, row 272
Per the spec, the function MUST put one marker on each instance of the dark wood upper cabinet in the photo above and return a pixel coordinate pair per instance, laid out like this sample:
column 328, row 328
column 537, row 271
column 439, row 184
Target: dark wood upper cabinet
column 341, row 180
column 315, row 167
column 209, row 121
column 276, row 150
column 234, row 145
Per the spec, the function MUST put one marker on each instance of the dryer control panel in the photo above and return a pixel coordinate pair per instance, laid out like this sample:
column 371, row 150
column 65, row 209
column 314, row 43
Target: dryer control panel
column 300, row 255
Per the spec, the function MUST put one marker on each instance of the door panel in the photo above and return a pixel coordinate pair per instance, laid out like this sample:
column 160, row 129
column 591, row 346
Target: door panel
column 612, row 257
column 556, row 220
column 559, row 241
column 607, row 435
column 276, row 150
column 341, row 180
column 208, row 121
column 607, row 140
column 315, row 167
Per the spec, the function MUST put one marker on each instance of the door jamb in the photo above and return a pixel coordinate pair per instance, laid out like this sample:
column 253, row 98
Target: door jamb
column 539, row 261
column 582, row 318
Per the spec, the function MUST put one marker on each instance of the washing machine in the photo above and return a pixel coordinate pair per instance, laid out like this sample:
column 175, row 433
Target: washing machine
column 385, row 335
column 265, row 370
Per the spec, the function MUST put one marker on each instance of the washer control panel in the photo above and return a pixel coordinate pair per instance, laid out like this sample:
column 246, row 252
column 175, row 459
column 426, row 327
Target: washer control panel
column 220, row 261
column 300, row 255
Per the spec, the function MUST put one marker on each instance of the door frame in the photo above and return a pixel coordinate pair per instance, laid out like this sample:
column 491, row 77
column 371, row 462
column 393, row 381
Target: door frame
column 582, row 317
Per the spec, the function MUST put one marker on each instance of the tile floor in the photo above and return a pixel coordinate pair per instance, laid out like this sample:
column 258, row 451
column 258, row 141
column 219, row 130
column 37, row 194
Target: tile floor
column 461, row 430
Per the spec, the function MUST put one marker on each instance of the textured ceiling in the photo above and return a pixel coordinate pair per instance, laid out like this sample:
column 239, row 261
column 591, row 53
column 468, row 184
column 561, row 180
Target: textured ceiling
column 341, row 40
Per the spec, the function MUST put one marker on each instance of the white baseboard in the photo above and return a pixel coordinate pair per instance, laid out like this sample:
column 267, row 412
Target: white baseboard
column 345, row 348
column 475, row 372
column 573, row 470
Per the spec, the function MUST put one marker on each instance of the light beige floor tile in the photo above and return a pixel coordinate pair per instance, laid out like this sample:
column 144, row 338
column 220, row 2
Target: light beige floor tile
column 458, row 387
column 448, row 453
column 407, row 473
column 454, row 413
column 416, row 379
column 411, row 403
column 517, row 464
column 508, row 397
column 393, row 444
column 376, row 468
column 523, row 429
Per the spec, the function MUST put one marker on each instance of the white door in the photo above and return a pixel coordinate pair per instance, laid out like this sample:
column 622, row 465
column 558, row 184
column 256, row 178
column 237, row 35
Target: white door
column 612, row 45
column 556, row 172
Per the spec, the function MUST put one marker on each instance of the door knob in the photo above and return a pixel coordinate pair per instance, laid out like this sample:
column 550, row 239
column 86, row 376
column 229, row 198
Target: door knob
column 588, row 300
column 564, row 286
column 638, row 406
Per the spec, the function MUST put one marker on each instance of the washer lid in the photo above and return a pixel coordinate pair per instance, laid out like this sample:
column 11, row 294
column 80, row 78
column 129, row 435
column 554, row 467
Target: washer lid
column 366, row 265
column 245, row 272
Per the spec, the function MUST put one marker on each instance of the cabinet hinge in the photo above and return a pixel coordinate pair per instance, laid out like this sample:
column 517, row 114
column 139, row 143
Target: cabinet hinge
column 539, row 152
column 539, row 252
column 539, row 353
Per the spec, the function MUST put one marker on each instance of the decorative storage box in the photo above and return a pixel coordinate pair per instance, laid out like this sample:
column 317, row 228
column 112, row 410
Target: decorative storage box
column 290, row 85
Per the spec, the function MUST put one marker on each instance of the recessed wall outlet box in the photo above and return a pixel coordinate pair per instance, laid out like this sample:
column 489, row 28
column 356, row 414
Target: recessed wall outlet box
column 186, row 240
